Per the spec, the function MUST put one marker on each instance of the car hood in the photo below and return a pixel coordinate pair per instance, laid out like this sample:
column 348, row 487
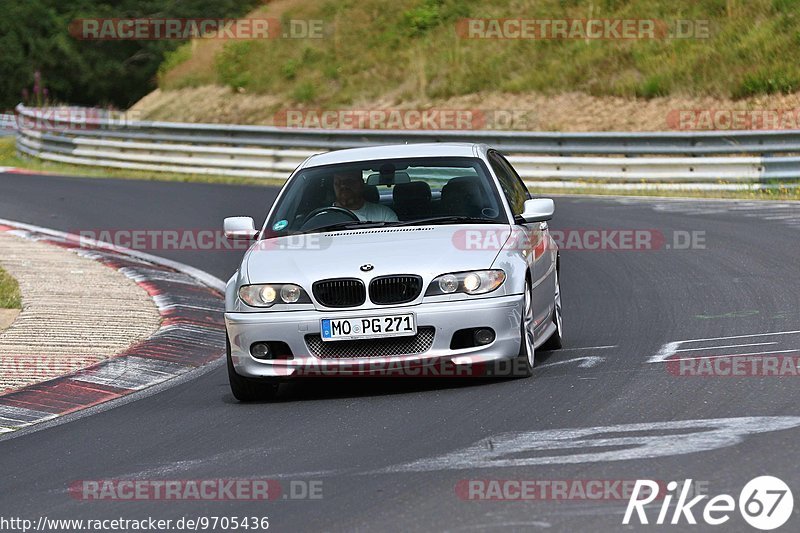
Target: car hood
column 428, row 251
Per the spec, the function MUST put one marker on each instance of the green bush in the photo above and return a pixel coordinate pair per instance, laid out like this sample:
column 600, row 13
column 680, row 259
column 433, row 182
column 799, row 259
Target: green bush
column 656, row 85
column 304, row 93
column 233, row 64
column 766, row 83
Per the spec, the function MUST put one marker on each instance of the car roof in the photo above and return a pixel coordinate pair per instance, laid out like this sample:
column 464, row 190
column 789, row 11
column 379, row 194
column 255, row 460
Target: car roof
column 396, row 151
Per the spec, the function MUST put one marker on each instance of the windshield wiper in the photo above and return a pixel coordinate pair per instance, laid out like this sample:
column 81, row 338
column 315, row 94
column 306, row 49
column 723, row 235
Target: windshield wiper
column 447, row 220
column 352, row 224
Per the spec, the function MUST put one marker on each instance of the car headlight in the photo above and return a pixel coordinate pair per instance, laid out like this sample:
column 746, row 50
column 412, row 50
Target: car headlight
column 266, row 295
column 475, row 282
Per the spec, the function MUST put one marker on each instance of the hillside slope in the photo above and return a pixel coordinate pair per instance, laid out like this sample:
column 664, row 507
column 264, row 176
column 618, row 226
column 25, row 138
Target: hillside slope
column 413, row 53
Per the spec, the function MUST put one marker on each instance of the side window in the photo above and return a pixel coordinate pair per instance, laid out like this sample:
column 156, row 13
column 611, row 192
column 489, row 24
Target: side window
column 513, row 172
column 512, row 186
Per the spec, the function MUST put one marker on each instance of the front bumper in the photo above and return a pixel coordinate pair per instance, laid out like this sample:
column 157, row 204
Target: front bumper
column 502, row 314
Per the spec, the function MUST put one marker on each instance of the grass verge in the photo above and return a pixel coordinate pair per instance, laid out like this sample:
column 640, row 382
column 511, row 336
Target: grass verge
column 10, row 297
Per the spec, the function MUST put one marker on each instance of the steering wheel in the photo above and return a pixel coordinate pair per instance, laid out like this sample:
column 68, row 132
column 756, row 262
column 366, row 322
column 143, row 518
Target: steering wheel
column 330, row 209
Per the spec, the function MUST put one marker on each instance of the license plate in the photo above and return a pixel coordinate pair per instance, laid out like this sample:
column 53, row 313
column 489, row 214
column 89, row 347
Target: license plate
column 368, row 327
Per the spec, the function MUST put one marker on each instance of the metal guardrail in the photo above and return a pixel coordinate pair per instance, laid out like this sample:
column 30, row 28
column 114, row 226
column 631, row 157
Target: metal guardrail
column 8, row 124
column 271, row 152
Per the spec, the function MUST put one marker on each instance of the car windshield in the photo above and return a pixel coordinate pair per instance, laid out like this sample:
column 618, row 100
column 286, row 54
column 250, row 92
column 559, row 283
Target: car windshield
column 387, row 192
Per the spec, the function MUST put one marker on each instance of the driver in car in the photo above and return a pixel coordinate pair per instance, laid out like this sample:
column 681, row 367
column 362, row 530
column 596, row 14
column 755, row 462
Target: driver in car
column 349, row 189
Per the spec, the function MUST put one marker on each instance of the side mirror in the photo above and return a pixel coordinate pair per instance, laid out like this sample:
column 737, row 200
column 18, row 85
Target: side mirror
column 538, row 210
column 239, row 228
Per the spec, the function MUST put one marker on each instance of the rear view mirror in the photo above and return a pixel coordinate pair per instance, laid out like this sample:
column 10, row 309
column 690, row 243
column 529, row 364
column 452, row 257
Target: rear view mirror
column 240, row 228
column 388, row 179
column 538, row 210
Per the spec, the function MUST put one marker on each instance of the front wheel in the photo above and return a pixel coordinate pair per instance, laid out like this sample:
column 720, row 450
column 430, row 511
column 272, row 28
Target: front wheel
column 248, row 389
column 523, row 364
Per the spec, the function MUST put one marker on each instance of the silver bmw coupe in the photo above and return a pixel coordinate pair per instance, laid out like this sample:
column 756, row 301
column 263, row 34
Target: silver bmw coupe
column 409, row 260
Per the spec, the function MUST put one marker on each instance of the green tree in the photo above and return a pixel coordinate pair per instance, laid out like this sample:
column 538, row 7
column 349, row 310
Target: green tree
column 34, row 36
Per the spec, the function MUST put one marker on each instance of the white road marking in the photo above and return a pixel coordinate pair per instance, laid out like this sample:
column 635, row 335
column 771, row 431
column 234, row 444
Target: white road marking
column 586, row 362
column 744, row 336
column 668, row 350
column 727, row 346
column 591, row 445
column 671, row 348
column 589, row 348
column 781, row 215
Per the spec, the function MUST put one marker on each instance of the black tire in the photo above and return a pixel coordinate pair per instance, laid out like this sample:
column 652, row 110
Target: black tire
column 247, row 389
column 555, row 342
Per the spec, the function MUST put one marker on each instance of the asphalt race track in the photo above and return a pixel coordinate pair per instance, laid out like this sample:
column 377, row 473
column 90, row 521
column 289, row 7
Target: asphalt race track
column 391, row 455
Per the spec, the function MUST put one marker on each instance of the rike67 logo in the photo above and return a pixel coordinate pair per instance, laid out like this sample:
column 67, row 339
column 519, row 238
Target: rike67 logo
column 765, row 503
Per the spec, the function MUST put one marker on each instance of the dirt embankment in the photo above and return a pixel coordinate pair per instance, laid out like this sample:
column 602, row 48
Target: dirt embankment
column 533, row 112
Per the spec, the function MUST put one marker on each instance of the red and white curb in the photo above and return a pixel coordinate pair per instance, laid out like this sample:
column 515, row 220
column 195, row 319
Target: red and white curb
column 191, row 335
column 31, row 172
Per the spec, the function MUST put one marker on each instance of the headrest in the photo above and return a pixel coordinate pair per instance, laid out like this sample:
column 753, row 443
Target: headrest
column 462, row 185
column 412, row 191
column 371, row 194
